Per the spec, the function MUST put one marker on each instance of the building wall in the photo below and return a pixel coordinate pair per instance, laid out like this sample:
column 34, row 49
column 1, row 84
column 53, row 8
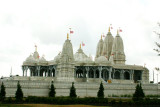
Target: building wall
column 41, row 87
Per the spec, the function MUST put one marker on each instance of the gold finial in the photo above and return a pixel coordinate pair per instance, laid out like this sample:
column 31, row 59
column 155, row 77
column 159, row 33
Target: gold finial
column 117, row 31
column 67, row 36
column 80, row 46
column 109, row 29
column 101, row 37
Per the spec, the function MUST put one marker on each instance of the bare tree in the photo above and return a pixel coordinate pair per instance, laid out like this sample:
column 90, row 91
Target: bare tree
column 158, row 44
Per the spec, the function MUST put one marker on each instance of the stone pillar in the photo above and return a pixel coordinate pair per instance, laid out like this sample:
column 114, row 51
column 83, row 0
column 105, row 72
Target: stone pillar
column 122, row 74
column 132, row 73
column 84, row 74
column 30, row 73
column 100, row 70
column 38, row 70
column 103, row 73
column 110, row 70
column 94, row 74
column 87, row 69
column 23, row 69
column 141, row 76
column 26, row 71
column 113, row 73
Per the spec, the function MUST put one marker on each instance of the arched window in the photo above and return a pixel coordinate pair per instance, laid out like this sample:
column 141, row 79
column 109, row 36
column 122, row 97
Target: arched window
column 97, row 73
column 126, row 76
column 91, row 73
column 79, row 73
column 117, row 75
column 105, row 74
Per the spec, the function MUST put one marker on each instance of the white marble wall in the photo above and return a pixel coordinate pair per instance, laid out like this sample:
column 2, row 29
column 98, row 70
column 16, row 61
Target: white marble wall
column 83, row 89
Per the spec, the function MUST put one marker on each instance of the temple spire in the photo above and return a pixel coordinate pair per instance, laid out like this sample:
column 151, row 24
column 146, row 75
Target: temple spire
column 117, row 32
column 109, row 29
column 67, row 36
column 80, row 46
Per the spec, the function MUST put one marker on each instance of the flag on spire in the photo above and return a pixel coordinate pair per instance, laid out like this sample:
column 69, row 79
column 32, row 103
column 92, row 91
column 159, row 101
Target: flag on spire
column 71, row 31
column 83, row 44
column 111, row 26
column 120, row 30
column 103, row 35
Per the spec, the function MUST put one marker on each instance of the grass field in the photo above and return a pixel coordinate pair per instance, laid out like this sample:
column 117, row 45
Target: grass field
column 45, row 105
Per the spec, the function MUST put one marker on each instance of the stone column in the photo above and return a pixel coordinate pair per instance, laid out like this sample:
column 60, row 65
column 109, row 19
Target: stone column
column 132, row 73
column 30, row 73
column 110, row 70
column 103, row 73
column 94, row 74
column 87, row 69
column 23, row 69
column 113, row 73
column 141, row 76
column 26, row 71
column 55, row 71
column 84, row 74
column 100, row 70
column 122, row 74
column 38, row 69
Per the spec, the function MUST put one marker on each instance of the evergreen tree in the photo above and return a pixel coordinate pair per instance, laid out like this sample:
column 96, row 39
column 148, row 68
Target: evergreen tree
column 142, row 95
column 19, row 93
column 2, row 92
column 73, row 91
column 100, row 93
column 139, row 94
column 52, row 91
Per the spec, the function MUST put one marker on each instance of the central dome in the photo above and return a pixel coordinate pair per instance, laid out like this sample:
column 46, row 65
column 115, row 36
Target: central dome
column 81, row 57
column 101, row 60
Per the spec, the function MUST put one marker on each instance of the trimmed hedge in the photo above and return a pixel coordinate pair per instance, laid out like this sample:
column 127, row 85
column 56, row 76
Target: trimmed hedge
column 86, row 101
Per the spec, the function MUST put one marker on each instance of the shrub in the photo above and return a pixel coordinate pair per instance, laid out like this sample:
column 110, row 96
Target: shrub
column 2, row 92
column 19, row 93
column 100, row 93
column 72, row 91
column 139, row 94
column 52, row 91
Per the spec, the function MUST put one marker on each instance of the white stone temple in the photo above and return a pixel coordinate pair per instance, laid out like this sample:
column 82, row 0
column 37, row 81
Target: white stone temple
column 109, row 63
column 108, row 67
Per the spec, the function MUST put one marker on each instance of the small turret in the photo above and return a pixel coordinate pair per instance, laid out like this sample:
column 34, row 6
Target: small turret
column 99, row 48
column 36, row 54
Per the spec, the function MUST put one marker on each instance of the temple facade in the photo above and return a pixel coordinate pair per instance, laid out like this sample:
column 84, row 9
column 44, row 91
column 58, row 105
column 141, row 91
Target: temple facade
column 109, row 64
column 108, row 67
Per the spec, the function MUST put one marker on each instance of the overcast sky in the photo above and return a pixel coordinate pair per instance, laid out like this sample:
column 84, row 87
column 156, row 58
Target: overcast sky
column 24, row 23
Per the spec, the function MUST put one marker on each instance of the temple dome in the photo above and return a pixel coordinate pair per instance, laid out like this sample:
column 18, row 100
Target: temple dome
column 36, row 55
column 81, row 57
column 101, row 59
column 99, row 48
column 42, row 60
column 30, row 60
column 107, row 45
column 118, row 50
column 57, row 58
